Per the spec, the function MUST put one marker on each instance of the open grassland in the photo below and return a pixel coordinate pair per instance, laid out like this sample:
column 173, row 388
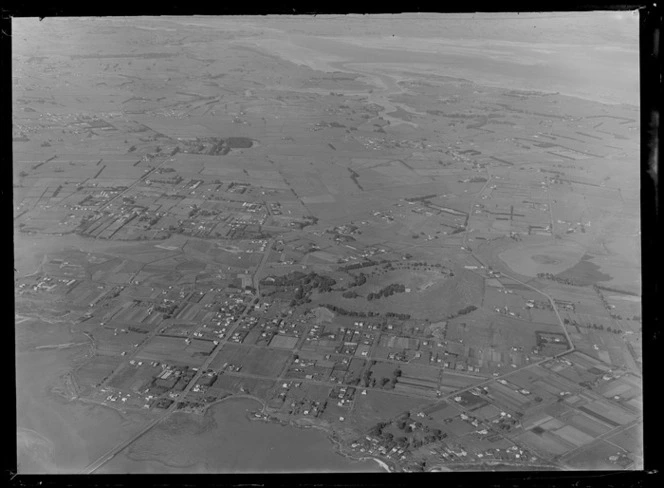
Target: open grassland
column 377, row 405
column 172, row 350
column 531, row 258
column 252, row 360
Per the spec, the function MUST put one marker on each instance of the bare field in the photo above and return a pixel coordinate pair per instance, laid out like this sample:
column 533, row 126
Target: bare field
column 376, row 406
column 259, row 361
column 553, row 257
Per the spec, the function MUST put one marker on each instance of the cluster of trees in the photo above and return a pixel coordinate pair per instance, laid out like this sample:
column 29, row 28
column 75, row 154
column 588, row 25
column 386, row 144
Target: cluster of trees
column 359, row 280
column 307, row 284
column 567, row 321
column 353, row 313
column 350, row 294
column 167, row 310
column 363, row 264
column 404, row 424
column 219, row 147
column 423, row 263
column 303, row 281
column 239, row 142
column 467, row 310
column 542, row 305
column 400, row 316
column 308, row 220
column 558, row 279
column 615, row 290
column 377, row 430
column 506, row 426
column 138, row 330
column 367, row 379
column 463, row 311
column 389, row 383
column 421, row 199
column 387, row 291
column 248, row 234
column 349, row 313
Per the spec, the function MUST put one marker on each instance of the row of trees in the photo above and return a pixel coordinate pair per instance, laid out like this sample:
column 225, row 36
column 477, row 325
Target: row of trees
column 463, row 311
column 390, row 383
column 606, row 304
column 387, row 291
column 467, row 310
column 303, row 282
column 349, row 313
column 359, row 280
column 400, row 316
column 353, row 313
column 558, row 279
column 567, row 321
column 363, row 264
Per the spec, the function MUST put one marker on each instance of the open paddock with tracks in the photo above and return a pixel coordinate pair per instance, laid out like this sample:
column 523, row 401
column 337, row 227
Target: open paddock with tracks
column 175, row 350
column 252, row 360
column 539, row 255
column 93, row 372
column 377, row 406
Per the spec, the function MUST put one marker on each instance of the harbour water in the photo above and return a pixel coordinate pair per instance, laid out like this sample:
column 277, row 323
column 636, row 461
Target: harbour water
column 55, row 435
column 226, row 441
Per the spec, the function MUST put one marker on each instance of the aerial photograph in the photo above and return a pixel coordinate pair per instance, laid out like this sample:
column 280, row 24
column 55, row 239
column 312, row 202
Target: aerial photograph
column 335, row 243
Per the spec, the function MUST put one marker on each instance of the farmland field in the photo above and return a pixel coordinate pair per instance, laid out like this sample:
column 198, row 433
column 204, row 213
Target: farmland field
column 416, row 236
column 542, row 257
column 165, row 349
column 257, row 361
column 376, row 405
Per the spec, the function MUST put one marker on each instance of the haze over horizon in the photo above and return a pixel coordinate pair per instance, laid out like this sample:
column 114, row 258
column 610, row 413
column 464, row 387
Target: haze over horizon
column 327, row 243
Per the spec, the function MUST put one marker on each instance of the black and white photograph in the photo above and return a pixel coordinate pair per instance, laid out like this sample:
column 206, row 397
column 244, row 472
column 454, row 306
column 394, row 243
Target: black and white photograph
column 359, row 243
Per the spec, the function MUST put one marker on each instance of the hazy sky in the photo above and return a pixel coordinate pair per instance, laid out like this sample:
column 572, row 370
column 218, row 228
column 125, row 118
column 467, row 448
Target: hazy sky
column 588, row 54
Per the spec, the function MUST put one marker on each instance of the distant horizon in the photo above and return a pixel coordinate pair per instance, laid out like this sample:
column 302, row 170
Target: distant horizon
column 283, row 244
column 595, row 59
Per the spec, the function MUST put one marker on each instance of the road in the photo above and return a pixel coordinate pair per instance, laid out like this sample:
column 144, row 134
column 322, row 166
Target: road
column 95, row 465
column 255, row 280
column 551, row 301
column 470, row 251
column 138, row 180
column 256, row 277
column 471, row 209
column 555, row 309
column 620, row 428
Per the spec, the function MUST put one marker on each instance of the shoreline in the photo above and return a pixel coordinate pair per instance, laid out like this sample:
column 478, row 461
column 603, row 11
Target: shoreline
column 330, row 435
column 330, row 63
column 252, row 414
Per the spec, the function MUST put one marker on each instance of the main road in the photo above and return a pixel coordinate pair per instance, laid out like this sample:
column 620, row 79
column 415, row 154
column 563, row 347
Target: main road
column 467, row 248
column 95, row 465
column 488, row 381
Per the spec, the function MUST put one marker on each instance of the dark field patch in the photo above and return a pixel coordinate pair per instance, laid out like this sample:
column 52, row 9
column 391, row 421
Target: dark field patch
column 585, row 272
